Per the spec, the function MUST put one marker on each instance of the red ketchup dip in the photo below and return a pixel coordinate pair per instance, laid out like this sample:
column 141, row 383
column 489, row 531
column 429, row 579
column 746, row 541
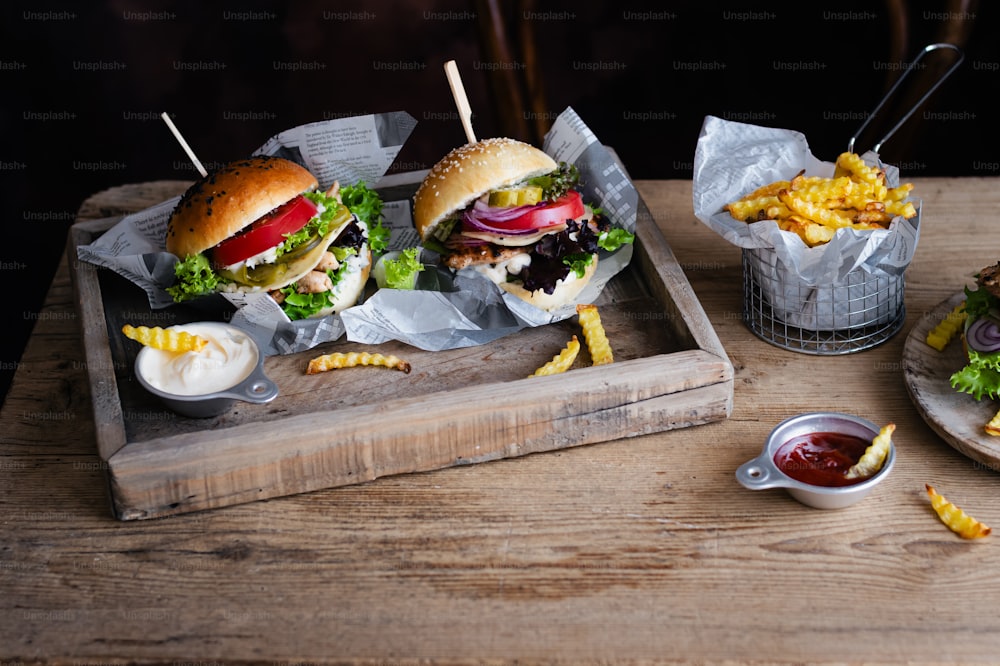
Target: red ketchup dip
column 821, row 458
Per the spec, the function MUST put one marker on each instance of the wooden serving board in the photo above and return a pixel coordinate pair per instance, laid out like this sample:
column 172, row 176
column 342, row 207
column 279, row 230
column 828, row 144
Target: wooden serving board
column 957, row 417
column 351, row 426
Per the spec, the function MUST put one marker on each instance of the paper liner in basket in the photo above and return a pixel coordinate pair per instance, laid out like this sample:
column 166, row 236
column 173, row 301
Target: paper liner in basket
column 814, row 288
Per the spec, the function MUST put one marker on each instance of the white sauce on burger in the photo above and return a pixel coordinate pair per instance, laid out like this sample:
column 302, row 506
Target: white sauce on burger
column 498, row 272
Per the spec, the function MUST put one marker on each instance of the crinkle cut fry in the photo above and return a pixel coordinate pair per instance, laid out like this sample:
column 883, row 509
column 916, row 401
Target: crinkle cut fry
column 828, row 217
column 593, row 332
column 166, row 339
column 955, row 518
column 874, row 457
column 813, row 233
column 899, row 193
column 755, row 209
column 904, row 209
column 338, row 360
column 562, row 361
column 854, row 165
column 816, row 189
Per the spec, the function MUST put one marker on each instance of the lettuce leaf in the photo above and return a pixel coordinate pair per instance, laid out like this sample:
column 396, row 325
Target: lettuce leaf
column 401, row 272
column 558, row 182
column 195, row 278
column 363, row 202
column 614, row 238
column 367, row 205
column 579, row 262
column 981, row 377
column 303, row 306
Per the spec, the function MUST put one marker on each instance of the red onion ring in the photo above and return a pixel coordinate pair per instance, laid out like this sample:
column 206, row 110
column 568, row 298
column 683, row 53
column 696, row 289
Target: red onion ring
column 983, row 335
column 481, row 218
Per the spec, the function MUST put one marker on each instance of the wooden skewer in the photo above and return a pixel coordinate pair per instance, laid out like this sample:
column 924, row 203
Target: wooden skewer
column 184, row 144
column 461, row 101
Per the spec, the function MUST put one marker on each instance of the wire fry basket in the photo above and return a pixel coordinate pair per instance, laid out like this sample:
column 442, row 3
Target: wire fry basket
column 859, row 311
column 862, row 312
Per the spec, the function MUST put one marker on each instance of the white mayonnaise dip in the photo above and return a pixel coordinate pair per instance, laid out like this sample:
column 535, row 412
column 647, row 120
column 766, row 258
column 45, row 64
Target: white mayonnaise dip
column 228, row 358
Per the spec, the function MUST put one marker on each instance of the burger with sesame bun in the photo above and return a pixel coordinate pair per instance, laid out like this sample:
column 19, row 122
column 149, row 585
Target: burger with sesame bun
column 259, row 224
column 508, row 211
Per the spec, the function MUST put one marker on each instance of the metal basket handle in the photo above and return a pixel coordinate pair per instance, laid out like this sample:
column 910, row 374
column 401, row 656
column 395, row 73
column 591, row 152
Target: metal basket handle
column 927, row 49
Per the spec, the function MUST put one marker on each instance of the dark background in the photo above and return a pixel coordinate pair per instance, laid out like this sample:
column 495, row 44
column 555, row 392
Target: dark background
column 83, row 89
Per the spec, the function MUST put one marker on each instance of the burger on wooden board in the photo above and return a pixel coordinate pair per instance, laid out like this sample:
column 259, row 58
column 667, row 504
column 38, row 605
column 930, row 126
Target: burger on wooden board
column 260, row 224
column 980, row 377
column 508, row 211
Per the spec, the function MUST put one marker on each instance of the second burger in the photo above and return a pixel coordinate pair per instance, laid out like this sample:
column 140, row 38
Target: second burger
column 508, row 211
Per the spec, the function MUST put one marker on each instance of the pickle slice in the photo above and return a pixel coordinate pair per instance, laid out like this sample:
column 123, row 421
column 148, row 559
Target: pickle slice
column 517, row 196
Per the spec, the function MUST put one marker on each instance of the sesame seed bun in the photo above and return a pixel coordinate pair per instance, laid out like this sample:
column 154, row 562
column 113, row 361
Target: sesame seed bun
column 235, row 196
column 468, row 172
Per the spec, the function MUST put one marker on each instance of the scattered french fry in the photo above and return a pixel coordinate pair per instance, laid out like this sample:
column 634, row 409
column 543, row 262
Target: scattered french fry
column 166, row 339
column 594, row 334
column 338, row 360
column 814, row 207
column 874, row 456
column 562, row 361
column 946, row 329
column 955, row 518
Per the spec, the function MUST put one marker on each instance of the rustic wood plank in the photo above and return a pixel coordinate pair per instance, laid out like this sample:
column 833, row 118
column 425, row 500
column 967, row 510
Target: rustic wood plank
column 196, row 470
column 101, row 363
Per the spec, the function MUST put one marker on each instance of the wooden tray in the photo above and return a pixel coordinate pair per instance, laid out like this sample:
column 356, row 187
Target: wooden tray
column 351, row 426
column 957, row 417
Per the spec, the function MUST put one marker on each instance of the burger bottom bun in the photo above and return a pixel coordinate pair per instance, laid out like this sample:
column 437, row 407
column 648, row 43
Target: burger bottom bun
column 349, row 291
column 564, row 293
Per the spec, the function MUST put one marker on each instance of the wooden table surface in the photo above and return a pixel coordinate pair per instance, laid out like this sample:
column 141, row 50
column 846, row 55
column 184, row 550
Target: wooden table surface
column 640, row 549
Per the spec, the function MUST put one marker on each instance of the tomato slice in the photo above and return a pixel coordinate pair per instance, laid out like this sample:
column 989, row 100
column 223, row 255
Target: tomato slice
column 265, row 233
column 567, row 207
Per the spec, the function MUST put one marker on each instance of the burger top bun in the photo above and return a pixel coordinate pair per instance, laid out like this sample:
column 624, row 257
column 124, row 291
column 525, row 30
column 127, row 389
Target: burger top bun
column 235, row 196
column 468, row 172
